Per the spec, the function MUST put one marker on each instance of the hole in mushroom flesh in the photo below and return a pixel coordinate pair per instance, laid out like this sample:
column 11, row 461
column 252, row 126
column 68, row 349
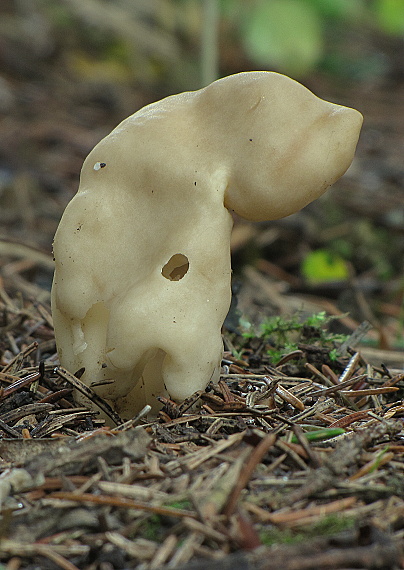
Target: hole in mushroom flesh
column 176, row 267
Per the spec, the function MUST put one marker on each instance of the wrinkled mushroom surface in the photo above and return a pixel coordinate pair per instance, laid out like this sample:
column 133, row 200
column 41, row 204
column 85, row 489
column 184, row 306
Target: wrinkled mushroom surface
column 142, row 253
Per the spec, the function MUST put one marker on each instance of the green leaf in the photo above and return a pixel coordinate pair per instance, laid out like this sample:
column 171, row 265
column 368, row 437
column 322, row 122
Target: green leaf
column 390, row 15
column 322, row 266
column 285, row 34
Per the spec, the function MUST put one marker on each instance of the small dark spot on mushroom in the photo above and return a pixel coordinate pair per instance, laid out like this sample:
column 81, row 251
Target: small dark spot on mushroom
column 194, row 183
column 250, row 140
column 103, row 164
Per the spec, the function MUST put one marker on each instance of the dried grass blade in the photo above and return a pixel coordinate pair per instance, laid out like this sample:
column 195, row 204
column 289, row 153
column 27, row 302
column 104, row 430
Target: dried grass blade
column 288, row 397
column 255, row 457
column 382, row 458
column 81, row 387
column 368, row 391
column 120, row 502
column 293, row 516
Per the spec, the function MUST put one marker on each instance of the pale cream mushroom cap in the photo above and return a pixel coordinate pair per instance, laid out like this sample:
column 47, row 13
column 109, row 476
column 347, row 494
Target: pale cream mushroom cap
column 283, row 146
column 142, row 253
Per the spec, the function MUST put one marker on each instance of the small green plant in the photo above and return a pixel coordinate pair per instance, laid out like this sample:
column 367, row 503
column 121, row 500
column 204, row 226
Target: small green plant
column 284, row 334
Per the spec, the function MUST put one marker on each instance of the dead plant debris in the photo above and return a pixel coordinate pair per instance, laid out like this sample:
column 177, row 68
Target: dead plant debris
column 293, row 467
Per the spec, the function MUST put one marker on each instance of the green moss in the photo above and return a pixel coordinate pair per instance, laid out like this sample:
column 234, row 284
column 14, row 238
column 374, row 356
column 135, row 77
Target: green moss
column 151, row 528
column 284, row 334
column 272, row 536
column 325, row 526
column 184, row 504
column 332, row 524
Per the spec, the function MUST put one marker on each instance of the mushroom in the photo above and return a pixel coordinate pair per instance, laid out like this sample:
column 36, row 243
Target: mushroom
column 142, row 252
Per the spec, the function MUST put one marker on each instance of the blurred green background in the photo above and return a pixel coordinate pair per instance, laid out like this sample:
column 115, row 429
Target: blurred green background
column 183, row 44
column 70, row 70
